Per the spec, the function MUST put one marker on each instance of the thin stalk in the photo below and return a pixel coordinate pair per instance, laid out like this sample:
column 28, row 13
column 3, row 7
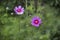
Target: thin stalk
column 36, row 4
column 26, row 3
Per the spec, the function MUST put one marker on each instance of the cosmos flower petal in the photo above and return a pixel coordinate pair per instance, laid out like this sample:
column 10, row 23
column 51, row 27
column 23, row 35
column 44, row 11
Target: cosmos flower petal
column 19, row 7
column 35, row 25
column 22, row 8
column 16, row 8
column 19, row 13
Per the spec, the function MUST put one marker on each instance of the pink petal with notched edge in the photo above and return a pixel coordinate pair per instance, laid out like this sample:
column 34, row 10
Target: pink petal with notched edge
column 19, row 7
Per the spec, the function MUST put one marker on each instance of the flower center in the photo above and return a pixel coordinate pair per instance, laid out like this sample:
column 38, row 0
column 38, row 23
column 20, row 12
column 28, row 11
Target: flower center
column 36, row 21
column 19, row 10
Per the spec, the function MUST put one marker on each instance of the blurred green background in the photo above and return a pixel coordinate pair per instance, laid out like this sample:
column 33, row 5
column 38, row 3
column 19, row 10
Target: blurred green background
column 18, row 27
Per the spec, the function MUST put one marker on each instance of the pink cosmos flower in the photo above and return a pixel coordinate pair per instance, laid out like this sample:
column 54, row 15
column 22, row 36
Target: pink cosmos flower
column 36, row 21
column 19, row 10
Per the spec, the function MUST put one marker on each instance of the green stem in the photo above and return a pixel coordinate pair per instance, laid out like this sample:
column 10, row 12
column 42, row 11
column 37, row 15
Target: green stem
column 26, row 3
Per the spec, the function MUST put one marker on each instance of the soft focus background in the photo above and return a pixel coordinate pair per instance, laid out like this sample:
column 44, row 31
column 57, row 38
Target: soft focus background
column 18, row 27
